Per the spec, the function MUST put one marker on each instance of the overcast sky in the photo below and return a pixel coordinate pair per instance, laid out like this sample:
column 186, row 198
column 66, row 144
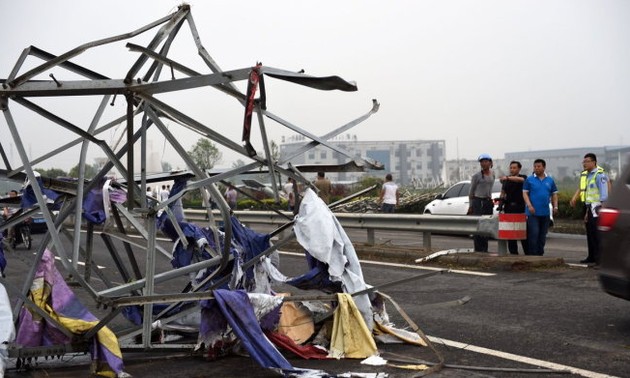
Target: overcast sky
column 486, row 76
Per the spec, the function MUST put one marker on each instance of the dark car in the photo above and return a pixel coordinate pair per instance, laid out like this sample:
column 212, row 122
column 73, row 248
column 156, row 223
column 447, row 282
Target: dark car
column 614, row 227
column 38, row 223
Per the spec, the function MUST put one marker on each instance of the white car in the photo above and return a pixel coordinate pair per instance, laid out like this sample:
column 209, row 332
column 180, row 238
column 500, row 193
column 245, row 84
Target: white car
column 454, row 201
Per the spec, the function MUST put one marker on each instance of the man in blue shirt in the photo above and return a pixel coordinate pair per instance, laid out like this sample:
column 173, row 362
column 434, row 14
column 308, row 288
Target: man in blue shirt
column 538, row 189
column 593, row 191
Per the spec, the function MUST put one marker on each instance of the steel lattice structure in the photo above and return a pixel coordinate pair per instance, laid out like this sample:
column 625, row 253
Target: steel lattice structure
column 153, row 73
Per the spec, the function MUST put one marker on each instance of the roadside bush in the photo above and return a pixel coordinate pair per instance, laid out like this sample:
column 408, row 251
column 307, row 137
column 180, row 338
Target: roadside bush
column 565, row 211
column 243, row 204
column 191, row 203
column 267, row 204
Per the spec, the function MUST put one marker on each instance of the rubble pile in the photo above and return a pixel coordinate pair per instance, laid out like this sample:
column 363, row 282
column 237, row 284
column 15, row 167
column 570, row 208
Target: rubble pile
column 410, row 202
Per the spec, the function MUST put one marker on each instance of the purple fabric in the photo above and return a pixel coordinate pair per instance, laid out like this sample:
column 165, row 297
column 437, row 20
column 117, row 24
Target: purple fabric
column 212, row 320
column 34, row 331
column 93, row 207
column 269, row 322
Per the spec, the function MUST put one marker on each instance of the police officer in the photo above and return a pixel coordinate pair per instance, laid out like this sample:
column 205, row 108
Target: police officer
column 593, row 192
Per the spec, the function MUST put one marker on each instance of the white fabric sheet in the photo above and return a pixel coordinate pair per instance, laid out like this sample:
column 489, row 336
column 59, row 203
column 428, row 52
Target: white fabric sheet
column 320, row 233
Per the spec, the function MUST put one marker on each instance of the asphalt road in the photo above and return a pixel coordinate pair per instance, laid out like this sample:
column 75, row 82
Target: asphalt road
column 556, row 319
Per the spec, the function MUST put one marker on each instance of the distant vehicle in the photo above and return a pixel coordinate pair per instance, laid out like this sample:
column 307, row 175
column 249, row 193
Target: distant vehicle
column 454, row 201
column 22, row 235
column 614, row 227
column 256, row 189
column 38, row 223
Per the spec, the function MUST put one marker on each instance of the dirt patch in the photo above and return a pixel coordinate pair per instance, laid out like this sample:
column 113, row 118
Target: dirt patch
column 568, row 226
column 472, row 261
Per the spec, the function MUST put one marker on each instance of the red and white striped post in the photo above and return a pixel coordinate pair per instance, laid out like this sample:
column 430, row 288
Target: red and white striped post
column 511, row 227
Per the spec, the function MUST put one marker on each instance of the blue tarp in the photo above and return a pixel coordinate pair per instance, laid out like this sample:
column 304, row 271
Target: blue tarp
column 237, row 310
column 3, row 260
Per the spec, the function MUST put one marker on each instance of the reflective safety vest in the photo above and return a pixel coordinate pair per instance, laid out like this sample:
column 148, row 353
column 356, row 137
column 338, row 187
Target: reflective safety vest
column 592, row 195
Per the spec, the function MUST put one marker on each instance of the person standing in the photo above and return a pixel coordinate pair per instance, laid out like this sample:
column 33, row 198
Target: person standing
column 289, row 193
column 324, row 187
column 389, row 197
column 480, row 197
column 513, row 202
column 164, row 193
column 538, row 190
column 593, row 192
column 230, row 196
column 7, row 213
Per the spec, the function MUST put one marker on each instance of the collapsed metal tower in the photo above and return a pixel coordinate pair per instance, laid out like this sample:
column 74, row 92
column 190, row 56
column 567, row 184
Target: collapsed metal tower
column 140, row 87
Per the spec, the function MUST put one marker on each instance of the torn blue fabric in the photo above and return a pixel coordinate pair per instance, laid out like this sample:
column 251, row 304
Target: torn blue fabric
column 238, row 311
column 251, row 244
column 93, row 207
column 28, row 195
column 316, row 278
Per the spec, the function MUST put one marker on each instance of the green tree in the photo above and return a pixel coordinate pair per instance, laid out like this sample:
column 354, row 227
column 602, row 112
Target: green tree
column 275, row 151
column 366, row 181
column 166, row 166
column 52, row 172
column 90, row 171
column 205, row 154
column 238, row 163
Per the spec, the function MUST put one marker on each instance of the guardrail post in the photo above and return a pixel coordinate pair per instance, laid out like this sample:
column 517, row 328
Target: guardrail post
column 426, row 240
column 370, row 236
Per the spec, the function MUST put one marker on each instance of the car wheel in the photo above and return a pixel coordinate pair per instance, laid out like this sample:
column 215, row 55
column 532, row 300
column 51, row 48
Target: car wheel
column 26, row 236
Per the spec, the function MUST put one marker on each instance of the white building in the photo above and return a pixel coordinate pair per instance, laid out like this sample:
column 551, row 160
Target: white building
column 412, row 162
column 562, row 164
column 567, row 162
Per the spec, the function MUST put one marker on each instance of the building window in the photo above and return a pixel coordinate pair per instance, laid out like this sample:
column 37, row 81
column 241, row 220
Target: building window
column 322, row 155
column 311, row 155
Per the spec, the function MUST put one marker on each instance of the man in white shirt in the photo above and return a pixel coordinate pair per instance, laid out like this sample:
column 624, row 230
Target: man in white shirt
column 389, row 197
column 288, row 193
column 164, row 193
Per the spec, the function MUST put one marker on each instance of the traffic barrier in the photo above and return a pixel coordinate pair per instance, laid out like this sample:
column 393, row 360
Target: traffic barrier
column 425, row 224
column 512, row 227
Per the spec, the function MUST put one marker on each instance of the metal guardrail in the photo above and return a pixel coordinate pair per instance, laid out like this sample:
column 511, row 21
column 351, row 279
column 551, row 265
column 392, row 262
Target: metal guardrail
column 425, row 224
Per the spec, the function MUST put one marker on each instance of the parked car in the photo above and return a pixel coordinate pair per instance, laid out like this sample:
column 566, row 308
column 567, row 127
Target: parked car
column 454, row 201
column 614, row 227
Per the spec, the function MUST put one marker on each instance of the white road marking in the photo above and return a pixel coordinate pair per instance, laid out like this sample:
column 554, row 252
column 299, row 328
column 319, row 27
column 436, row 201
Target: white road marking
column 517, row 358
column 79, row 263
column 395, row 265
column 578, row 265
column 482, row 350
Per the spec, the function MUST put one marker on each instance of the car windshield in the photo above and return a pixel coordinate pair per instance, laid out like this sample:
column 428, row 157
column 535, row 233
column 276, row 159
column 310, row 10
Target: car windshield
column 454, row 191
column 496, row 187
